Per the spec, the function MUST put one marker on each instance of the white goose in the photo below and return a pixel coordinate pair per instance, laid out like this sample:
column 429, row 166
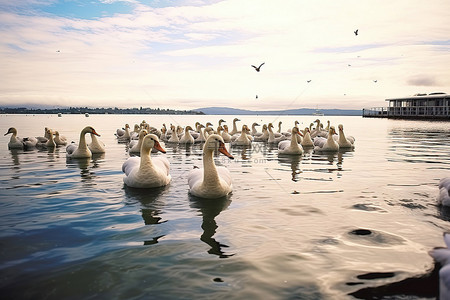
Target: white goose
column 291, row 147
column 59, row 139
column 442, row 255
column 50, row 143
column 225, row 135
column 174, row 137
column 187, row 138
column 234, row 131
column 343, row 141
column 96, row 146
column 135, row 146
column 444, row 192
column 18, row 143
column 145, row 172
column 273, row 139
column 326, row 144
column 81, row 150
column 211, row 181
column 254, row 130
column 244, row 139
column 124, row 134
column 307, row 142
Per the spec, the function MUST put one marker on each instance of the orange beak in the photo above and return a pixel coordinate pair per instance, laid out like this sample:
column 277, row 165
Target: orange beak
column 95, row 132
column 299, row 133
column 158, row 147
column 224, row 151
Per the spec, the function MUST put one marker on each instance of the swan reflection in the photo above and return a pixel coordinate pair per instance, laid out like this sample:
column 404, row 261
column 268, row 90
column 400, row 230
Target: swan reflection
column 86, row 171
column 151, row 208
column 210, row 210
column 293, row 161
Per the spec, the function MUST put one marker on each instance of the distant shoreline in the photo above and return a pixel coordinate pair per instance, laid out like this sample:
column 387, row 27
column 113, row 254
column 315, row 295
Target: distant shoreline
column 97, row 111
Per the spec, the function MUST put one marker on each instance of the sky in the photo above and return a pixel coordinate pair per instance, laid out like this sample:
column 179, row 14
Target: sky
column 188, row 54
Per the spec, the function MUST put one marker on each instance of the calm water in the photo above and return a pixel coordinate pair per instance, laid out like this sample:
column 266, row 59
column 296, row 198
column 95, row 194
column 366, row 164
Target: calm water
column 342, row 226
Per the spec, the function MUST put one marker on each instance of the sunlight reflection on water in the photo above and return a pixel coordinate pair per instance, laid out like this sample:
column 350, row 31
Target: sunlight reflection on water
column 310, row 227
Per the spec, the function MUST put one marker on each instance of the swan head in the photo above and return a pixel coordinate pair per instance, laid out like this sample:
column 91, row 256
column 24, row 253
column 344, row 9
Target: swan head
column 152, row 141
column 332, row 130
column 295, row 130
column 222, row 121
column 142, row 133
column 215, row 141
column 188, row 128
column 235, row 120
column 11, row 130
column 89, row 129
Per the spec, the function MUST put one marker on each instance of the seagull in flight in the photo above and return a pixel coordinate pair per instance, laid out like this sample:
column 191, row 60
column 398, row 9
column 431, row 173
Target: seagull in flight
column 258, row 68
column 356, row 31
column 308, row 81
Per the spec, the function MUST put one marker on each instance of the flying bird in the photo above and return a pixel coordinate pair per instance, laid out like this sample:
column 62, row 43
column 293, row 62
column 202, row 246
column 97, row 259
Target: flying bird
column 375, row 81
column 308, row 81
column 258, row 68
column 256, row 96
column 356, row 31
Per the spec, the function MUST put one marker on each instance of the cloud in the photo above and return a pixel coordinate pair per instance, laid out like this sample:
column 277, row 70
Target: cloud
column 422, row 80
column 182, row 52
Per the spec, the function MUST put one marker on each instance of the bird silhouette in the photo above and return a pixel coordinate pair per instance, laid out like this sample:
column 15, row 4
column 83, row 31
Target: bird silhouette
column 375, row 81
column 256, row 96
column 356, row 31
column 308, row 81
column 258, row 68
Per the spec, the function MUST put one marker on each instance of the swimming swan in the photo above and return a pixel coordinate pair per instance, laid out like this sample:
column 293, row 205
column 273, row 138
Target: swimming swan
column 211, row 181
column 81, row 150
column 442, row 255
column 145, row 172
column 291, row 147
column 444, row 192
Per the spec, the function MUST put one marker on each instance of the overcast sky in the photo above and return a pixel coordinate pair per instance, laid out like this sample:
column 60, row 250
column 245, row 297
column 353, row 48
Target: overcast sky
column 193, row 54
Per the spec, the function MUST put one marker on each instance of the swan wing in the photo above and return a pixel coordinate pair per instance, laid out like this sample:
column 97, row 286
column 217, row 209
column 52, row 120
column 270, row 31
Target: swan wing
column 225, row 174
column 70, row 149
column 162, row 163
column 284, row 144
column 195, row 176
column 130, row 164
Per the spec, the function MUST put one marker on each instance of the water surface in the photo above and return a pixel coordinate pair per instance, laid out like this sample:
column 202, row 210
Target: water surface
column 342, row 225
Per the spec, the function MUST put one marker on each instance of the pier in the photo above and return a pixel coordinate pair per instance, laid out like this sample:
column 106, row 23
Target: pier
column 420, row 106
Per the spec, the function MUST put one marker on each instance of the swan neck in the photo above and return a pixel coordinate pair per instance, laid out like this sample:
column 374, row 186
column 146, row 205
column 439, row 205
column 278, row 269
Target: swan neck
column 209, row 167
column 82, row 144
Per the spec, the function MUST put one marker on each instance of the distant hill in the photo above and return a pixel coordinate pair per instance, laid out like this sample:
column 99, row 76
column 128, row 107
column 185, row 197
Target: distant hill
column 300, row 111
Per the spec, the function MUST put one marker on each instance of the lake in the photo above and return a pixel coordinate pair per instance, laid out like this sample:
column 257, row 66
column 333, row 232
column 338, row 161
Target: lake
column 349, row 225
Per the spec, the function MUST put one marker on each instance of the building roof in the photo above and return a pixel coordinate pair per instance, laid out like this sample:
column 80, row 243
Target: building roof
column 437, row 95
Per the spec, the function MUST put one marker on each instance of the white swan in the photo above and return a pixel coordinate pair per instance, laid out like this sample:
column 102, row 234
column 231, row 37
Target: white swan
column 211, row 181
column 145, row 172
column 442, row 255
column 187, row 138
column 244, row 139
column 264, row 136
column 326, row 144
column 254, row 130
column 174, row 137
column 81, row 150
column 307, row 142
column 135, row 146
column 291, row 147
column 59, row 139
column 444, row 192
column 225, row 135
column 96, row 146
column 273, row 139
column 17, row 143
column 124, row 134
column 234, row 131
column 343, row 141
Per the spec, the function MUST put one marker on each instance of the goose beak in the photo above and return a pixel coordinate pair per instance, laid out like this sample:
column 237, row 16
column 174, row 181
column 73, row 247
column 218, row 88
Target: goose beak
column 95, row 132
column 299, row 133
column 158, row 147
column 224, row 151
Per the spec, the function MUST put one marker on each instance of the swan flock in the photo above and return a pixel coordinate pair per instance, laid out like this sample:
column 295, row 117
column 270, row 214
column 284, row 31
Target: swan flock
column 148, row 167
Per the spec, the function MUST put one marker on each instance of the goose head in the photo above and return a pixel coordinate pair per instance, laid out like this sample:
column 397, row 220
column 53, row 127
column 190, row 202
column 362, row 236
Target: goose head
column 187, row 129
column 295, row 130
column 332, row 131
column 235, row 120
column 151, row 141
column 340, row 127
column 142, row 133
column 221, row 121
column 89, row 129
column 225, row 128
column 215, row 141
column 208, row 124
column 11, row 130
